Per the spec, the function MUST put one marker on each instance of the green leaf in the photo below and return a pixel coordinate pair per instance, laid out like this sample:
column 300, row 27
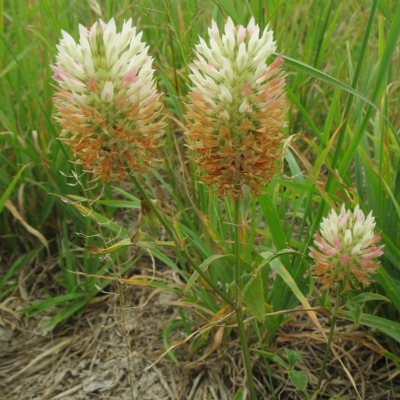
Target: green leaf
column 119, row 203
column 52, row 302
column 364, row 297
column 279, row 297
column 390, row 287
column 135, row 202
column 239, row 394
column 167, row 331
column 97, row 250
column 66, row 312
column 150, row 219
column 10, row 188
column 274, row 224
column 272, row 356
column 166, row 260
column 254, row 298
column 292, row 356
column 355, row 310
column 299, row 379
column 65, row 260
column 88, row 212
column 384, row 325
column 268, row 257
column 16, row 266
column 145, row 240
column 288, row 279
column 229, row 8
column 308, row 69
column 204, row 266
column 385, row 10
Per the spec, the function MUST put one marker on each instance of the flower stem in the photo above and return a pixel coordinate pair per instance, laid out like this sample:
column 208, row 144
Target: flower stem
column 176, row 240
column 330, row 337
column 238, row 307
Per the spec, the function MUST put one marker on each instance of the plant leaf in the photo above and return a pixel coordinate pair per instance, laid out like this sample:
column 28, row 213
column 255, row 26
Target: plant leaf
column 363, row 297
column 254, row 298
column 355, row 311
column 204, row 266
column 230, row 9
column 384, row 325
column 299, row 379
column 10, row 188
column 98, row 250
column 239, row 394
column 389, row 285
column 274, row 357
column 292, row 356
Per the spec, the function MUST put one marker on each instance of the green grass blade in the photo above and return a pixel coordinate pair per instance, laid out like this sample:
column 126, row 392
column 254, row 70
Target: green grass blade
column 390, row 328
column 309, row 70
column 7, row 193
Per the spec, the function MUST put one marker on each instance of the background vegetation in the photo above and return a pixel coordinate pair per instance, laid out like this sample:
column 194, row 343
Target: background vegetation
column 342, row 65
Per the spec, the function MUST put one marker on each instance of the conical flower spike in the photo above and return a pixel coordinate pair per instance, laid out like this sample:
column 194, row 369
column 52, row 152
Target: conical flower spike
column 107, row 102
column 346, row 249
column 236, row 108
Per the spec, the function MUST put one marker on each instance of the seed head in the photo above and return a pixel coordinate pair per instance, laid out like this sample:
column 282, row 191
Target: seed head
column 106, row 100
column 236, row 108
column 346, row 248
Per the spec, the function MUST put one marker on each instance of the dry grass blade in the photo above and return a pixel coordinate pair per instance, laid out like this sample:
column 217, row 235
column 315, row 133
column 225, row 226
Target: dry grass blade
column 33, row 365
column 13, row 210
column 201, row 330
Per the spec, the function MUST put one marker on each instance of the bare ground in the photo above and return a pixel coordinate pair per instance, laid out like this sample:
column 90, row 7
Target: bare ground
column 104, row 354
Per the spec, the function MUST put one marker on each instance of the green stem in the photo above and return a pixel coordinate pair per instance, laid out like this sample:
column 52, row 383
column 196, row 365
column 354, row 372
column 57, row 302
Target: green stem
column 330, row 337
column 238, row 272
column 176, row 240
column 238, row 307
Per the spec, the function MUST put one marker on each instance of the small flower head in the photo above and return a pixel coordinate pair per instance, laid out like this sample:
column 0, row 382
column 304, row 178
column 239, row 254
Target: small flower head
column 236, row 108
column 346, row 248
column 106, row 100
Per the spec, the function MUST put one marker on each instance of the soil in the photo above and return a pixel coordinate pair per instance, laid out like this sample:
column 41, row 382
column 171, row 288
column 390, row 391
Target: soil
column 112, row 351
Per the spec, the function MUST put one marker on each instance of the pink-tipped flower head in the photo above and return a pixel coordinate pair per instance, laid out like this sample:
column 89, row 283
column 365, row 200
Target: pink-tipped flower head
column 106, row 100
column 346, row 249
column 236, row 108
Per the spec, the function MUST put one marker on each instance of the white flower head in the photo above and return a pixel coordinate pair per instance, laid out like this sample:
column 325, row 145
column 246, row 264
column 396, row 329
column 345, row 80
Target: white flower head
column 346, row 248
column 236, row 108
column 107, row 102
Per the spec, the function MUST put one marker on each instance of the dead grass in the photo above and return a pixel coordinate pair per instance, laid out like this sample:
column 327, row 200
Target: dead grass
column 87, row 358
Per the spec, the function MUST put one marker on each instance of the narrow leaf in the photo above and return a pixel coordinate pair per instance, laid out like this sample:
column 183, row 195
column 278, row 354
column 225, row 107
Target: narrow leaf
column 204, row 266
column 10, row 188
column 229, row 8
column 389, row 285
column 355, row 311
column 363, row 297
column 98, row 250
column 308, row 69
column 254, row 298
column 239, row 394
column 384, row 325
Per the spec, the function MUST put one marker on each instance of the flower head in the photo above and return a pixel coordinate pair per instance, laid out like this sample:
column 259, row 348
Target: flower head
column 236, row 108
column 107, row 102
column 346, row 248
